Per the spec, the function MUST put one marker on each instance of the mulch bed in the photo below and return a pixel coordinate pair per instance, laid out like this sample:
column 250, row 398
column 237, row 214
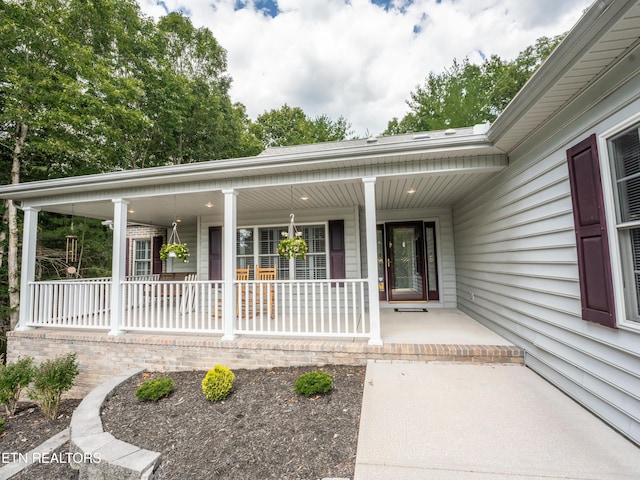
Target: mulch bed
column 27, row 429
column 262, row 430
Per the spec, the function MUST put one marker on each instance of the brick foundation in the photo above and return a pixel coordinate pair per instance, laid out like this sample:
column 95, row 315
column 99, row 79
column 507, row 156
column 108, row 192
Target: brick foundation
column 101, row 356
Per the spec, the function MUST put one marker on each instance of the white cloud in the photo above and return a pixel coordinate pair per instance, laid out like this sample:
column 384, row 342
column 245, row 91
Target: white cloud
column 357, row 59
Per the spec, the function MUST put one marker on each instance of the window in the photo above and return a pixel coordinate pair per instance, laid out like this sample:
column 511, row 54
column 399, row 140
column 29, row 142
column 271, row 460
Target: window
column 245, row 249
column 264, row 251
column 142, row 257
column 624, row 150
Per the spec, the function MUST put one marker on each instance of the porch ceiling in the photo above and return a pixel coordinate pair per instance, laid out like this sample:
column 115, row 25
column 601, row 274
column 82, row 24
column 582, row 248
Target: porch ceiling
column 392, row 193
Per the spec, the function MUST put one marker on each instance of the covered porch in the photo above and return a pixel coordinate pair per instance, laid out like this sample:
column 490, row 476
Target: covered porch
column 377, row 214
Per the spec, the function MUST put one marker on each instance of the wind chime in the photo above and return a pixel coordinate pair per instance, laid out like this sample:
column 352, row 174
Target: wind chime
column 71, row 248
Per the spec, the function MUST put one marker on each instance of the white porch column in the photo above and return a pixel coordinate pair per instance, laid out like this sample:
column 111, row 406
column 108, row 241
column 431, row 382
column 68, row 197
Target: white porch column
column 229, row 262
column 118, row 265
column 28, row 270
column 372, row 258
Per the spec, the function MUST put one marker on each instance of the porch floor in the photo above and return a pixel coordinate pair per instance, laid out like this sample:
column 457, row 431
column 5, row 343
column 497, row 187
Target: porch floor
column 435, row 326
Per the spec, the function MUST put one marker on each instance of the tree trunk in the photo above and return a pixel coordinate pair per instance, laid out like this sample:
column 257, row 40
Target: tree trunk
column 12, row 215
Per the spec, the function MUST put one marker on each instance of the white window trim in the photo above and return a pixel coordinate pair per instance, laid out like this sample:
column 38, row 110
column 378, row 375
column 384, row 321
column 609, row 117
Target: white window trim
column 256, row 246
column 613, row 227
column 135, row 260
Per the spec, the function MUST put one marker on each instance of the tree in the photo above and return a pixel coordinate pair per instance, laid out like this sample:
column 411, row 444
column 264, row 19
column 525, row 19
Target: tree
column 291, row 126
column 467, row 94
column 91, row 87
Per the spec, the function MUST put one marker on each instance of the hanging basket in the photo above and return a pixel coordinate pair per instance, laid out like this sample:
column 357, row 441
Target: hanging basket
column 174, row 248
column 293, row 247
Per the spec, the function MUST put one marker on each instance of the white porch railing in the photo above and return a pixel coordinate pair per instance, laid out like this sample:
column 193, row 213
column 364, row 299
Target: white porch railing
column 306, row 308
column 71, row 303
column 187, row 306
column 326, row 308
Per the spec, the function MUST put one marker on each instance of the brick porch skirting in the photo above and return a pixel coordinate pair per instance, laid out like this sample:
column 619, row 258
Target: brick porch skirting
column 101, row 356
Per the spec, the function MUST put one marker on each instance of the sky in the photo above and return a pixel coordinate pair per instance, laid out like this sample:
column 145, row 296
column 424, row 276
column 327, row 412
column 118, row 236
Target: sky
column 361, row 59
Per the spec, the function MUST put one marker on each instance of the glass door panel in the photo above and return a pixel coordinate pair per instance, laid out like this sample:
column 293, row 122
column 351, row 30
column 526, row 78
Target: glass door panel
column 405, row 262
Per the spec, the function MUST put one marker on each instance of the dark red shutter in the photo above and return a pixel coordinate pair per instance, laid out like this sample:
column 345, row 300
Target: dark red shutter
column 336, row 249
column 215, row 253
column 156, row 263
column 127, row 257
column 594, row 265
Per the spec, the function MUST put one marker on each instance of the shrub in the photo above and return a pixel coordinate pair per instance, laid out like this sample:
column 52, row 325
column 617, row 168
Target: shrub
column 154, row 390
column 13, row 378
column 217, row 383
column 313, row 383
column 51, row 379
column 1, row 425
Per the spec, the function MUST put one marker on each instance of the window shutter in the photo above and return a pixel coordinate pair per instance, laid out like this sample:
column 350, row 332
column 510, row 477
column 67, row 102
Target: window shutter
column 594, row 265
column 127, row 257
column 336, row 249
column 215, row 253
column 156, row 263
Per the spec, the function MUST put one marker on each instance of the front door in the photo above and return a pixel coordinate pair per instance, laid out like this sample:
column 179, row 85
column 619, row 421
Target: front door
column 406, row 262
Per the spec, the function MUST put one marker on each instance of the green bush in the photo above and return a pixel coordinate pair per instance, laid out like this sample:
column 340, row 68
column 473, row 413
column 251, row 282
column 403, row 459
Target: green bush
column 13, row 378
column 1, row 425
column 51, row 379
column 313, row 383
column 154, row 390
column 217, row 383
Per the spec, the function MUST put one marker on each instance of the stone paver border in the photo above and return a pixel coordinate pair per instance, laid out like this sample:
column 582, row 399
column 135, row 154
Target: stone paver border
column 104, row 456
column 31, row 457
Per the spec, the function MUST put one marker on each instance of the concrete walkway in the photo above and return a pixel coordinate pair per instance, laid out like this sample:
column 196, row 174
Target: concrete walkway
column 469, row 422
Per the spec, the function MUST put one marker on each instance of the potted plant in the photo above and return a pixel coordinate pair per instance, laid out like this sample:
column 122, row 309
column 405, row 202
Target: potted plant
column 174, row 250
column 293, row 247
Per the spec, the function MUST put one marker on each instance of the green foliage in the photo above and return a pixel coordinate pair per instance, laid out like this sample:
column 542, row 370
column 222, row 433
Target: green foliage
column 217, row 383
column 313, row 383
column 1, row 425
column 179, row 250
column 94, row 259
column 154, row 390
column 51, row 379
column 14, row 377
column 291, row 126
column 467, row 94
column 293, row 247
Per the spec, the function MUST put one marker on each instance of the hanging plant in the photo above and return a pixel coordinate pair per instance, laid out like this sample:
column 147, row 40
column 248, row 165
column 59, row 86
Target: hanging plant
column 174, row 248
column 293, row 247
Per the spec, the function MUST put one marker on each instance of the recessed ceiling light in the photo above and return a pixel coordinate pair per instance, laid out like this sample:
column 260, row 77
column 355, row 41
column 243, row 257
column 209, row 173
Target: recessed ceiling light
column 304, row 197
column 208, row 204
column 178, row 220
column 411, row 191
column 131, row 210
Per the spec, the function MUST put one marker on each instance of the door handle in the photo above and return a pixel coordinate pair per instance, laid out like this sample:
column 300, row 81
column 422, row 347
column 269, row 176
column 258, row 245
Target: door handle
column 388, row 263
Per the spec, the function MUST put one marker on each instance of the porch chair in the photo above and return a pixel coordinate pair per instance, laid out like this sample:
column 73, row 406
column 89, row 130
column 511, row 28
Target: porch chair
column 266, row 293
column 243, row 275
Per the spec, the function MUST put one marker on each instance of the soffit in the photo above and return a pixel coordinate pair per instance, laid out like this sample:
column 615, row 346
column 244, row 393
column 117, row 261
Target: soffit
column 594, row 45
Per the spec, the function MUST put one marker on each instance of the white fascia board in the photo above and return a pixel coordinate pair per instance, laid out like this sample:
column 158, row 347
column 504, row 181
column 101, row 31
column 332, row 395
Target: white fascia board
column 242, row 167
column 600, row 16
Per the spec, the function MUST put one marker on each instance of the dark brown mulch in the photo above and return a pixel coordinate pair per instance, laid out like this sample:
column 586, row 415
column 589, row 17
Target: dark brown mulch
column 27, row 429
column 262, row 430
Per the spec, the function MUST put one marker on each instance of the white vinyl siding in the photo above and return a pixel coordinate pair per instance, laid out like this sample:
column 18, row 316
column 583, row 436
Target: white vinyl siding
column 517, row 273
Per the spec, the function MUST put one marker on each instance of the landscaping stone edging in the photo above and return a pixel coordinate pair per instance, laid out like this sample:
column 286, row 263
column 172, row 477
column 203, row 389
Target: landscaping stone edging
column 106, row 457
